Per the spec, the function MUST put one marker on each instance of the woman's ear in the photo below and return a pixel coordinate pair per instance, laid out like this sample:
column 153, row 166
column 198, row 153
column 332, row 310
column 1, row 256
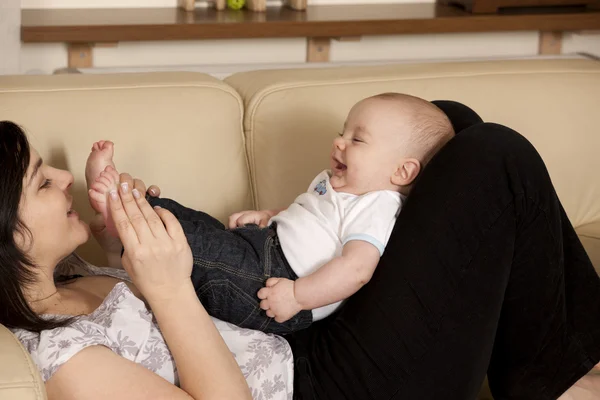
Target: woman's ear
column 406, row 172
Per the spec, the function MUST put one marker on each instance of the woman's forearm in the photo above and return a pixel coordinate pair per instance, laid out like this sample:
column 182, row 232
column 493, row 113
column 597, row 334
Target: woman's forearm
column 206, row 368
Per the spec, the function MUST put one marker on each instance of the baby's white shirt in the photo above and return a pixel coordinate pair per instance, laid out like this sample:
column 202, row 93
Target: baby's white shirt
column 314, row 229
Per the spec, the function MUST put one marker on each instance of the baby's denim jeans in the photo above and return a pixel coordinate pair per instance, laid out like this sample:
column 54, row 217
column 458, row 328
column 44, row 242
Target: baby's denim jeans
column 231, row 266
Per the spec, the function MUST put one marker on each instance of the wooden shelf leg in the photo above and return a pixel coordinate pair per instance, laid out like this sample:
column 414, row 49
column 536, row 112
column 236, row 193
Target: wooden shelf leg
column 187, row 5
column 550, row 43
column 299, row 5
column 317, row 49
column 80, row 55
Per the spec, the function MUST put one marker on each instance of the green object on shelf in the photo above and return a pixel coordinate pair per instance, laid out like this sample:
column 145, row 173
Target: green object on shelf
column 236, row 4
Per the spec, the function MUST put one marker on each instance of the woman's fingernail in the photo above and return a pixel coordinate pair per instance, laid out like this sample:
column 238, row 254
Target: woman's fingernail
column 125, row 187
column 136, row 193
column 152, row 191
column 156, row 207
column 113, row 194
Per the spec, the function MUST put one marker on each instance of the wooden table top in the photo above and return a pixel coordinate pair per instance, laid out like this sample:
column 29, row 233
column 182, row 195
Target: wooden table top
column 115, row 25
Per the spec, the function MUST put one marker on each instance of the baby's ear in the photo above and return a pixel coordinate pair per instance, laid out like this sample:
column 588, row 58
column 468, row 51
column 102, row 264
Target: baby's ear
column 406, row 172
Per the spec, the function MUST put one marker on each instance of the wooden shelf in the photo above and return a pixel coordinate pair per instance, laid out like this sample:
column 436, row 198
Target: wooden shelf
column 116, row 25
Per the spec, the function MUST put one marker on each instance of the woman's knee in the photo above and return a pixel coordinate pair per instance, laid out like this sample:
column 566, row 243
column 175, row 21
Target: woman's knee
column 495, row 138
column 500, row 144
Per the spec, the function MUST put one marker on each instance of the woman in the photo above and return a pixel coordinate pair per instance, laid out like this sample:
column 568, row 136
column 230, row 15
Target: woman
column 39, row 229
column 483, row 273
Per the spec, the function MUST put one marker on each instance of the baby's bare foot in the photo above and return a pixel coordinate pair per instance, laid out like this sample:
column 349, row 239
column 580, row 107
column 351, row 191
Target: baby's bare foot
column 107, row 181
column 100, row 158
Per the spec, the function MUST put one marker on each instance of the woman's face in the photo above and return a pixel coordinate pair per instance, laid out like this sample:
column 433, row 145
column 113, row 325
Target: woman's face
column 46, row 210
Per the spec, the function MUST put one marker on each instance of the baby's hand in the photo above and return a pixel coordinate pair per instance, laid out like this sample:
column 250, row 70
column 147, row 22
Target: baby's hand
column 278, row 299
column 242, row 218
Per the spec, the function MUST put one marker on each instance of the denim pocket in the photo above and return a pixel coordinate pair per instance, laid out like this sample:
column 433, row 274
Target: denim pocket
column 225, row 300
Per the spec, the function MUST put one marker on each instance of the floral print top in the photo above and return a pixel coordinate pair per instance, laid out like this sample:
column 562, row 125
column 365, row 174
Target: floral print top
column 123, row 324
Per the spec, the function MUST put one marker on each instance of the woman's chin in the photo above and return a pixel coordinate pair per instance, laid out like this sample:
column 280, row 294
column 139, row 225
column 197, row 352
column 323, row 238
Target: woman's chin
column 83, row 232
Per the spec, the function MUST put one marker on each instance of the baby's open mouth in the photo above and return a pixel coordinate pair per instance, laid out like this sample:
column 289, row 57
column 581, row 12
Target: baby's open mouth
column 339, row 166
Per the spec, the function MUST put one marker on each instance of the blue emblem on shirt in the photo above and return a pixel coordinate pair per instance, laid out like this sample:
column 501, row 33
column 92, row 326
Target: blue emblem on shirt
column 321, row 187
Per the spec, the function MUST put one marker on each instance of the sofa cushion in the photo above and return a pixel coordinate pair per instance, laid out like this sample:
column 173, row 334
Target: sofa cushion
column 19, row 378
column 181, row 131
column 293, row 115
column 590, row 238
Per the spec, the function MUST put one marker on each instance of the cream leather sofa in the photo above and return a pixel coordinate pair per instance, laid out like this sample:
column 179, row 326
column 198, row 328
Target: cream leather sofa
column 256, row 139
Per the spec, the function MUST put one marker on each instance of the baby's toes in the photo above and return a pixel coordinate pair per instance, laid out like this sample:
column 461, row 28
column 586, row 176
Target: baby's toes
column 112, row 172
column 106, row 181
column 96, row 195
column 99, row 187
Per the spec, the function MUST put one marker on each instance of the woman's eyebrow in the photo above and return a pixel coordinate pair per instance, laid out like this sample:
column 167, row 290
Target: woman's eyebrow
column 36, row 168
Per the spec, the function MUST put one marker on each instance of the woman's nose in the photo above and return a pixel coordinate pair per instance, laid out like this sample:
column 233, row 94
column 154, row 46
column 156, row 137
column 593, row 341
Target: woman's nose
column 65, row 178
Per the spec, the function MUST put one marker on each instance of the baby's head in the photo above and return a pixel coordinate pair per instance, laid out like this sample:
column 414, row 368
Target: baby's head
column 386, row 141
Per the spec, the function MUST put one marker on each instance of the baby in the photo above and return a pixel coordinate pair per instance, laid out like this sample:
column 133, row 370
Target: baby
column 278, row 271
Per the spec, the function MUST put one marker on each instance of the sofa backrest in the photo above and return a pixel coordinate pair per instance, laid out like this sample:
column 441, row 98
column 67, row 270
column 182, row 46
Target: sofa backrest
column 291, row 117
column 181, row 131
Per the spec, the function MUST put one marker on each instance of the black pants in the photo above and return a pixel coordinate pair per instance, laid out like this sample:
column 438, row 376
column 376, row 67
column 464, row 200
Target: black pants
column 231, row 266
column 483, row 273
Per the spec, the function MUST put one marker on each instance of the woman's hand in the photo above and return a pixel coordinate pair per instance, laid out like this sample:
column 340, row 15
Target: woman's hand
column 109, row 243
column 112, row 245
column 157, row 256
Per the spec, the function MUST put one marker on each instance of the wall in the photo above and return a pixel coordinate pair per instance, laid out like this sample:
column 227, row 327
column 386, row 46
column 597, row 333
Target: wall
column 10, row 21
column 45, row 58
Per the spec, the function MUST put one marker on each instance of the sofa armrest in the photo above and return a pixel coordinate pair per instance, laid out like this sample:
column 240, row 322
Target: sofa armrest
column 19, row 377
column 589, row 235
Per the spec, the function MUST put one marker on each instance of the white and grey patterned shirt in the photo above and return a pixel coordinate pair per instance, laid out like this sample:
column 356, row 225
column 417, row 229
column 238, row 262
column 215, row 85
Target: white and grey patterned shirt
column 123, row 324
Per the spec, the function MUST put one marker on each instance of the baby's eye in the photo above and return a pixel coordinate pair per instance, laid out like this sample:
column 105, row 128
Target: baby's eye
column 340, row 134
column 46, row 184
column 358, row 140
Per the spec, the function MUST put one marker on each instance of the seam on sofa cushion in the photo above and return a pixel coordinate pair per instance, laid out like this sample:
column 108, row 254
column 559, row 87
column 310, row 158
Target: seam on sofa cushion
column 260, row 96
column 33, row 382
column 219, row 86
column 589, row 236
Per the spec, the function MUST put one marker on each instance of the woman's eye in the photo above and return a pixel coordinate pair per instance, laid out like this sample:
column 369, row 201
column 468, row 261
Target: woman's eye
column 46, row 184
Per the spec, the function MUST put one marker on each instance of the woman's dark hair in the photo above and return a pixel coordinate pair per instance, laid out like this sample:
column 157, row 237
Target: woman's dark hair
column 16, row 269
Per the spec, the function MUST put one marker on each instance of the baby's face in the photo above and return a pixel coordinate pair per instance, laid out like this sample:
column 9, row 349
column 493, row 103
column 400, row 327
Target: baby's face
column 367, row 153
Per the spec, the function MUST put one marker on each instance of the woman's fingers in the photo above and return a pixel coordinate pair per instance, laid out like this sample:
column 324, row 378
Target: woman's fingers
column 154, row 221
column 172, row 225
column 124, row 177
column 139, row 185
column 126, row 232
column 136, row 218
column 154, row 191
